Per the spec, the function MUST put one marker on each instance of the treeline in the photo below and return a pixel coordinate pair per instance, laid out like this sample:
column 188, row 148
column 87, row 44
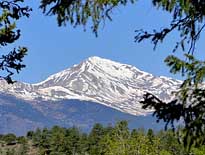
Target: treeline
column 109, row 140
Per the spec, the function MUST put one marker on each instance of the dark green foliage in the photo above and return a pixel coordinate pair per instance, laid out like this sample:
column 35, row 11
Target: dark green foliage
column 187, row 19
column 37, row 137
column 95, row 136
column 150, row 135
column 11, row 12
column 188, row 105
column 30, row 134
column 115, row 140
column 73, row 137
column 78, row 12
column 170, row 143
column 84, row 143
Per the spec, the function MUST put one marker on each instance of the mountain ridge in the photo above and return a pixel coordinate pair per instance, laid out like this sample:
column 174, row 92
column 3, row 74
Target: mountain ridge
column 116, row 85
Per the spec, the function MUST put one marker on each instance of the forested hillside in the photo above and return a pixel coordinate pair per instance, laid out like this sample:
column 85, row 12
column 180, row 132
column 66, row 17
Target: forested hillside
column 109, row 140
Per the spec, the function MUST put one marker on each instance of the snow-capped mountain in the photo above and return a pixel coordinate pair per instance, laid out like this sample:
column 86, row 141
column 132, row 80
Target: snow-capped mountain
column 99, row 80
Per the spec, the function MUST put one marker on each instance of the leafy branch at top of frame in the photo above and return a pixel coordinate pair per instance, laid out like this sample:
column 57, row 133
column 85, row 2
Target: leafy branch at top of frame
column 187, row 19
column 79, row 12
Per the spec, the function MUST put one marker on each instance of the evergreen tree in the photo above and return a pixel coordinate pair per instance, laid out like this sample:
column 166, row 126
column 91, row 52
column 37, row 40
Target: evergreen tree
column 119, row 139
column 72, row 137
column 57, row 141
column 170, row 143
column 30, row 134
column 37, row 137
column 94, row 138
column 150, row 135
column 134, row 143
column 83, row 144
column 44, row 141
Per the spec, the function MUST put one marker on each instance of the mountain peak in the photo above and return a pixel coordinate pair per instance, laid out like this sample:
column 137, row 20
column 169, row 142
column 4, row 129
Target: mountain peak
column 100, row 80
column 113, row 68
column 95, row 60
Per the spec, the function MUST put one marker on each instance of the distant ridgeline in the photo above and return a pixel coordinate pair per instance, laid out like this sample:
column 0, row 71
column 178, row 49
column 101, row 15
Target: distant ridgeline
column 116, row 140
column 19, row 116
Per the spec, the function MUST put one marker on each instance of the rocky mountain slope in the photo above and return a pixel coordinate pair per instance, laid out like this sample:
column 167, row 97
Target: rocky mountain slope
column 116, row 85
column 19, row 116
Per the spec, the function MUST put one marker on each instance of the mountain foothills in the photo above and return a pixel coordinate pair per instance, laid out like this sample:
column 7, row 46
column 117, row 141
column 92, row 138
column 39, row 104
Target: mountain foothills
column 96, row 90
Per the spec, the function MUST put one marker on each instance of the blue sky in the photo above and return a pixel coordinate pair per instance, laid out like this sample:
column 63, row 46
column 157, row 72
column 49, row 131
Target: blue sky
column 53, row 48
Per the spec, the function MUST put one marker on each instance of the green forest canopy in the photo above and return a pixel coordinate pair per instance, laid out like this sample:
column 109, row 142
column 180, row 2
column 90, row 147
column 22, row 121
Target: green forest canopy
column 101, row 140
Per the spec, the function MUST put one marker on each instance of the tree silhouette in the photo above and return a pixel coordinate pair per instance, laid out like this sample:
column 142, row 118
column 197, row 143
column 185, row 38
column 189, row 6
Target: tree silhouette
column 79, row 12
column 188, row 105
column 11, row 12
